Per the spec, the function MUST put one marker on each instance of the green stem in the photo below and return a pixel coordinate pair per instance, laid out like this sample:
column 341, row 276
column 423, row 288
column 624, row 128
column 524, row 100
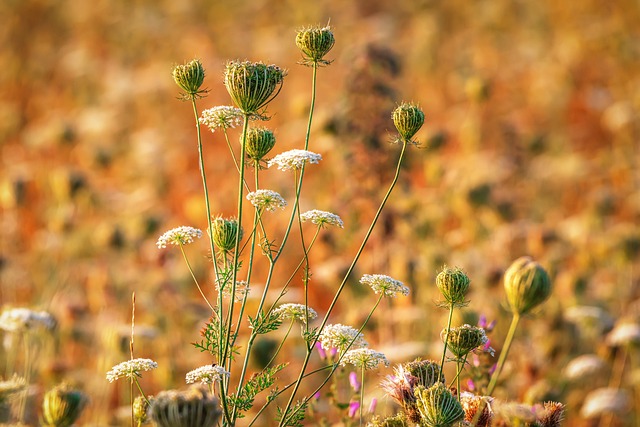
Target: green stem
column 446, row 342
column 186, row 260
column 282, row 342
column 144, row 396
column 503, row 354
column 361, row 392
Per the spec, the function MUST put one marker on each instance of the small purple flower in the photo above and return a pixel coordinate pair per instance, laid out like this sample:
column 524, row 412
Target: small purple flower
column 353, row 380
column 353, row 409
column 493, row 369
column 471, row 385
column 475, row 360
column 321, row 352
column 482, row 322
column 317, row 396
column 372, row 405
column 333, row 352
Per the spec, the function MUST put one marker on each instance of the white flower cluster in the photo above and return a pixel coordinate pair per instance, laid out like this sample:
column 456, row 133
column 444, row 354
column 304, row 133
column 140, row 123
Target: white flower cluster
column 24, row 319
column 207, row 374
column 340, row 337
column 584, row 366
column 130, row 369
column 11, row 386
column 625, row 332
column 295, row 311
column 178, row 236
column 322, row 218
column 364, row 358
column 604, row 401
column 294, row 159
column 223, row 117
column 384, row 285
column 266, row 199
column 242, row 290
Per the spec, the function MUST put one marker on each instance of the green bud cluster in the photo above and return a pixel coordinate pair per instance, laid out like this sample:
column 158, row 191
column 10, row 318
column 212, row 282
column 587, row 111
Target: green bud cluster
column 453, row 284
column 315, row 43
column 259, row 142
column 195, row 407
column 190, row 77
column 225, row 233
column 408, row 119
column 462, row 340
column 252, row 85
column 62, row 406
column 437, row 406
column 426, row 371
column 526, row 284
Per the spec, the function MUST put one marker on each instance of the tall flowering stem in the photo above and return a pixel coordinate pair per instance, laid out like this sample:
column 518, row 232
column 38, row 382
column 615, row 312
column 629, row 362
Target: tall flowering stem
column 346, row 277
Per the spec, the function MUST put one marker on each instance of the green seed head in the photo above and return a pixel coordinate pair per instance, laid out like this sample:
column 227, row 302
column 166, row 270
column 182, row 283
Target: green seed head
column 189, row 77
column 526, row 284
column 252, row 85
column 315, row 43
column 426, row 371
column 462, row 340
column 62, row 406
column 453, row 284
column 225, row 233
column 437, row 406
column 259, row 142
column 408, row 119
column 195, row 407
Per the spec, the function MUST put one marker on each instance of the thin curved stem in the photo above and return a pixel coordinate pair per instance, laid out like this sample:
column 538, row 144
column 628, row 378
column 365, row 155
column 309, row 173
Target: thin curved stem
column 186, row 260
column 503, row 354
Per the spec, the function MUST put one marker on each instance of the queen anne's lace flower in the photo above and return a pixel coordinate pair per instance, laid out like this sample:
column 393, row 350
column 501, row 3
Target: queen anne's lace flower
column 207, row 374
column 266, row 199
column 295, row 311
column 222, row 117
column 584, row 366
column 364, row 358
column 384, row 285
column 624, row 333
column 24, row 319
column 130, row 369
column 340, row 336
column 322, row 218
column 294, row 159
column 179, row 236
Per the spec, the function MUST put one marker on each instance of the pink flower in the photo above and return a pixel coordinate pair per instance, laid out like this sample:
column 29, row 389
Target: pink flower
column 353, row 409
column 353, row 380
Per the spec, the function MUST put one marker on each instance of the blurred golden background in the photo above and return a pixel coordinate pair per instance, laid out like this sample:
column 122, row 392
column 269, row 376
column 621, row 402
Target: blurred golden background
column 530, row 147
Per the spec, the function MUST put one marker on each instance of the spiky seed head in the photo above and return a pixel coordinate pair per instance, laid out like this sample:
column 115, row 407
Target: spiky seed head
column 471, row 404
column 189, row 77
column 526, row 284
column 464, row 339
column 552, row 415
column 62, row 406
column 426, row 371
column 315, row 43
column 141, row 410
column 194, row 407
column 437, row 406
column 225, row 232
column 252, row 85
column 259, row 142
column 408, row 119
column 453, row 284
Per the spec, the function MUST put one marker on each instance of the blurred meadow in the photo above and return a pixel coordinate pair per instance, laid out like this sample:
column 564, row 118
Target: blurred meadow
column 530, row 147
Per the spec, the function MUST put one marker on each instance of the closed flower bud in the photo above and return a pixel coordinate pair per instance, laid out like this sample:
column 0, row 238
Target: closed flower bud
column 315, row 43
column 526, row 284
column 225, row 233
column 437, row 406
column 195, row 407
column 252, row 85
column 62, row 406
column 259, row 142
column 189, row 77
column 453, row 284
column 408, row 119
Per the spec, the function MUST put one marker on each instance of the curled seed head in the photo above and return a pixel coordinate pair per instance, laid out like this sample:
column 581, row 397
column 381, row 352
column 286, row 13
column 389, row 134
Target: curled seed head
column 315, row 43
column 189, row 77
column 408, row 119
column 61, row 406
column 225, row 232
column 252, row 85
column 259, row 142
column 453, row 284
